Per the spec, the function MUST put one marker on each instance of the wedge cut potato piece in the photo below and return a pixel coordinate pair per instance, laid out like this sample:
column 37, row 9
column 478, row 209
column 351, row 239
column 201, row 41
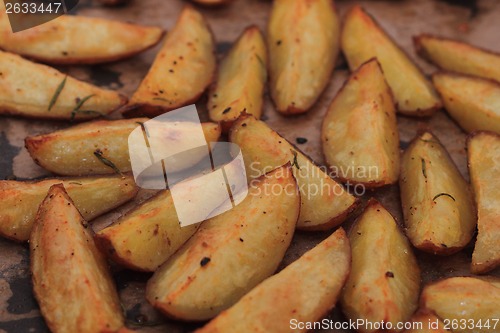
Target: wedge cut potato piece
column 74, row 151
column 241, row 79
column 182, row 70
column 303, row 42
column 459, row 57
column 38, row 91
column 473, row 102
column 465, row 299
column 362, row 39
column 424, row 321
column 67, row 40
column 484, row 168
column 94, row 196
column 360, row 134
column 71, row 279
column 304, row 291
column 384, row 282
column 438, row 208
column 231, row 253
column 324, row 202
column 212, row 3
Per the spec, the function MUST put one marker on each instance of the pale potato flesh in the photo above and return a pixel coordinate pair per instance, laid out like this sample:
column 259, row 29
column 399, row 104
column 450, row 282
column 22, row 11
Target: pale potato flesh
column 362, row 39
column 424, row 321
column 71, row 279
column 305, row 291
column 324, row 202
column 384, row 282
column 359, row 134
column 473, row 102
column 484, row 168
column 303, row 42
column 19, row 200
column 231, row 253
column 438, row 208
column 27, row 89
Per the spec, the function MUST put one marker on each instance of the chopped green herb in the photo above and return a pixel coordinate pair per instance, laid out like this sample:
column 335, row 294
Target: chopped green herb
column 75, row 183
column 424, row 170
column 261, row 61
column 79, row 105
column 54, row 98
column 74, row 113
column 226, row 110
column 295, row 163
column 106, row 162
column 161, row 99
column 443, row 194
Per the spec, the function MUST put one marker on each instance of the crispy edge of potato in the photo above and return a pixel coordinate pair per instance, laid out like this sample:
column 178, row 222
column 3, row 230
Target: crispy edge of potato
column 212, row 3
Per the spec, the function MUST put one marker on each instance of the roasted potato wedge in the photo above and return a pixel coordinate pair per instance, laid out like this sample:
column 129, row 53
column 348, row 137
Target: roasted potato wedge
column 469, row 300
column 360, row 133
column 303, row 42
column 324, row 202
column 101, row 147
column 67, row 40
column 37, row 91
column 384, row 282
column 71, row 279
column 438, row 208
column 304, row 291
column 459, row 57
column 473, row 102
column 94, row 196
column 182, row 70
column 212, row 3
column 362, row 39
column 484, row 168
column 241, row 79
column 231, row 253
column 424, row 321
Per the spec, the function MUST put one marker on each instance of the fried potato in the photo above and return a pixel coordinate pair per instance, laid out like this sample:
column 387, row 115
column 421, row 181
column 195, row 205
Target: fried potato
column 37, row 91
column 212, row 3
column 303, row 42
column 94, row 196
column 304, row 291
column 362, row 39
column 424, row 321
column 484, row 168
column 324, row 202
column 182, row 70
column 71, row 280
column 231, row 253
column 438, row 208
column 459, row 57
column 101, row 147
column 241, row 79
column 473, row 102
column 359, row 133
column 384, row 282
column 465, row 299
column 67, row 40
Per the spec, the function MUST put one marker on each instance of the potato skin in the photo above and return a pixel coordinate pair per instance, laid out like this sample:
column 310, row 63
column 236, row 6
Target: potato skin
column 362, row 39
column 295, row 26
column 263, row 150
column 92, row 196
column 306, row 290
column 360, row 131
column 71, row 280
column 231, row 253
column 483, row 156
column 471, row 101
column 384, row 282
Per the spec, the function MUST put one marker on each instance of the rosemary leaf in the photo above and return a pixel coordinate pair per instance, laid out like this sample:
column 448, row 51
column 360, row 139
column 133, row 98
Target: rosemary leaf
column 106, row 162
column 443, row 194
column 79, row 105
column 54, row 98
column 260, row 60
column 295, row 163
column 424, row 170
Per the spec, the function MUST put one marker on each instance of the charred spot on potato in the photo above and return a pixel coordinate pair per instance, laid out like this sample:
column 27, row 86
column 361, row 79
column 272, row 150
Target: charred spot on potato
column 226, row 110
column 204, row 261
column 301, row 140
column 389, row 274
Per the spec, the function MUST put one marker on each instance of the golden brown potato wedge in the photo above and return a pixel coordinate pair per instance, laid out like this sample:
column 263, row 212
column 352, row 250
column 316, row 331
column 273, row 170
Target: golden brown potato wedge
column 212, row 3
column 94, row 196
column 303, row 42
column 304, row 291
column 362, row 39
column 360, row 134
column 459, row 57
column 101, row 147
column 438, row 208
column 37, row 91
column 71, row 279
column 241, row 79
column 67, row 40
column 484, row 168
column 231, row 253
column 473, row 102
column 324, row 202
column 384, row 282
column 182, row 70
column 465, row 304
column 424, row 321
